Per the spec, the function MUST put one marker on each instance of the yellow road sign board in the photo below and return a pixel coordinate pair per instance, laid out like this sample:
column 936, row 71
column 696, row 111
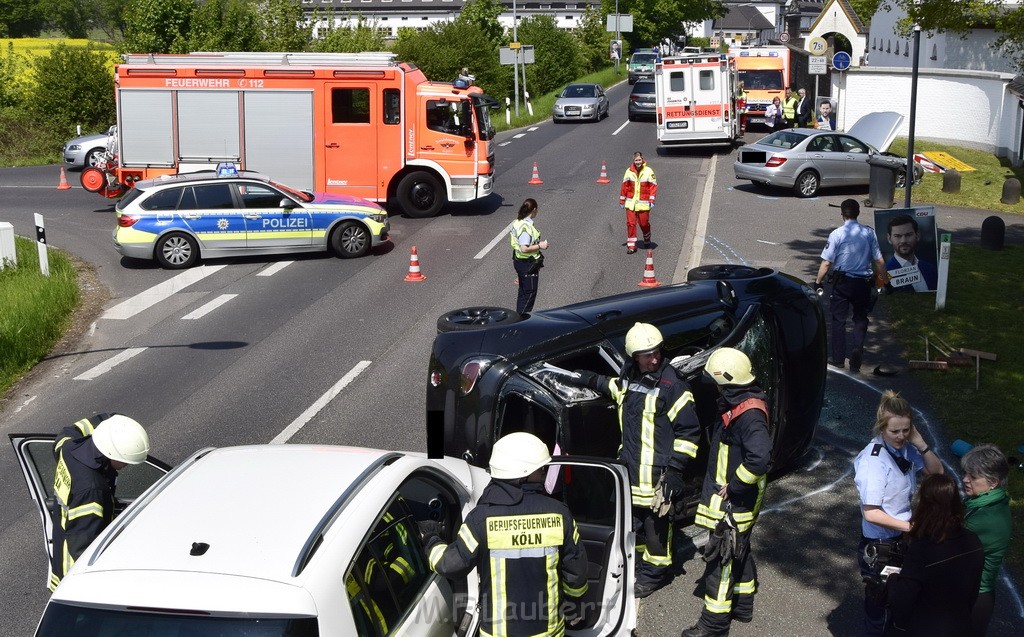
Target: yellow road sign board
column 817, row 46
column 947, row 161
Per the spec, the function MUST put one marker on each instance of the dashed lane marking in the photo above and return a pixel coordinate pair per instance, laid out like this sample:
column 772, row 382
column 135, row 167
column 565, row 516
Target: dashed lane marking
column 148, row 298
column 209, row 307
column 111, row 363
column 490, row 246
column 617, row 130
column 274, row 269
column 320, row 403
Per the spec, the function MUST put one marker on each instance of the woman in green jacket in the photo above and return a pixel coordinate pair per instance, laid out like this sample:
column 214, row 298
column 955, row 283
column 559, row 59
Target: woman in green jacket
column 986, row 470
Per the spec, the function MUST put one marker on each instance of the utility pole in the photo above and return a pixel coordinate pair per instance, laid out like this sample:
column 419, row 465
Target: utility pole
column 515, row 40
column 618, row 37
column 909, row 179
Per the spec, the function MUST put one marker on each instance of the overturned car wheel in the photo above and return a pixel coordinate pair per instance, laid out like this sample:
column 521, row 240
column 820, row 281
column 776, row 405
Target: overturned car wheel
column 474, row 318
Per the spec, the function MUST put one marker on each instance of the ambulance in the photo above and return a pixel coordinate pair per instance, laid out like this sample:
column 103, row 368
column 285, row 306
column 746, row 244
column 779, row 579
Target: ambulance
column 359, row 124
column 695, row 96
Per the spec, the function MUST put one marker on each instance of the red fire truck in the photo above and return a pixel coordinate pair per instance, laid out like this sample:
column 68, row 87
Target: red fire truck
column 359, row 124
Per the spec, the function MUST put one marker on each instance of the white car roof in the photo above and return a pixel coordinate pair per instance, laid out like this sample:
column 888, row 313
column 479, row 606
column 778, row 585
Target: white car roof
column 256, row 507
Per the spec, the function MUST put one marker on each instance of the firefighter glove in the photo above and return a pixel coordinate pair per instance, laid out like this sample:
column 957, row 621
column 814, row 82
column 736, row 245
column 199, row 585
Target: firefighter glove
column 429, row 529
column 722, row 541
column 674, row 484
column 586, row 378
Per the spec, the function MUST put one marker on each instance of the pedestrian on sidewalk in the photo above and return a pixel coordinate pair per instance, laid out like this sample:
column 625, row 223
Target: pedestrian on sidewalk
column 526, row 255
column 639, row 186
column 850, row 252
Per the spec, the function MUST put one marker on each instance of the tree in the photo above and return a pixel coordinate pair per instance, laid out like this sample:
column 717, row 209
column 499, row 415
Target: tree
column 962, row 16
column 657, row 19
column 283, row 26
column 484, row 13
column 157, row 26
column 70, row 17
column 594, row 41
column 20, row 18
column 556, row 56
column 225, row 25
column 364, row 36
column 72, row 85
column 443, row 50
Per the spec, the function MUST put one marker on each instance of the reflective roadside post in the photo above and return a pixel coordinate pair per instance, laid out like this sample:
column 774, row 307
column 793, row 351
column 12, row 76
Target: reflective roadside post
column 945, row 247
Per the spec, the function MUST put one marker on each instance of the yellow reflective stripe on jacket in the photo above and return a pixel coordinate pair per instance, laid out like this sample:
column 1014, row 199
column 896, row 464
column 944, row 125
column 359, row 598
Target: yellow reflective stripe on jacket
column 85, row 426
column 681, row 445
column 498, row 597
column 575, row 592
column 551, row 568
column 92, row 508
column 646, row 477
column 436, row 552
column 62, row 482
column 402, row 567
column 745, row 588
column 683, row 401
column 743, row 474
column 466, row 535
column 722, row 464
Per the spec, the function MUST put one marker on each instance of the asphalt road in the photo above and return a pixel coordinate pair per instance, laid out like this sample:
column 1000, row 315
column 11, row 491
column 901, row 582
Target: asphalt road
column 266, row 364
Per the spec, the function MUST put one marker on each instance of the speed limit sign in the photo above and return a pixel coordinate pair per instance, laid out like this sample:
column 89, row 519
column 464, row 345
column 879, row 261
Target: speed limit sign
column 817, row 46
column 784, row 37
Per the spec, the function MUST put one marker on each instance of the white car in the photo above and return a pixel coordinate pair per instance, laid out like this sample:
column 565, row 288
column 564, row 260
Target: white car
column 299, row 541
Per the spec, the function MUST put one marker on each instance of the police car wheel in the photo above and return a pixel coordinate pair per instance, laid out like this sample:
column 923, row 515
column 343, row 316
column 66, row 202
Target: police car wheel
column 475, row 318
column 350, row 240
column 807, row 184
column 176, row 251
column 421, row 195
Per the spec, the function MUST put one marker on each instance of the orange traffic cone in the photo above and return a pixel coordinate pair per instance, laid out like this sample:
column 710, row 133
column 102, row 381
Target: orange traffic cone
column 414, row 268
column 649, row 281
column 63, row 185
column 603, row 179
column 536, row 176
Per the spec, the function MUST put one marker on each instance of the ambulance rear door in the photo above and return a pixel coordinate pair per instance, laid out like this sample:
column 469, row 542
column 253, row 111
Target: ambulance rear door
column 694, row 101
column 673, row 93
column 350, row 154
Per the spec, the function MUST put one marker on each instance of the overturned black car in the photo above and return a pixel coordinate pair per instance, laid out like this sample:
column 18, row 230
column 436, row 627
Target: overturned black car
column 493, row 372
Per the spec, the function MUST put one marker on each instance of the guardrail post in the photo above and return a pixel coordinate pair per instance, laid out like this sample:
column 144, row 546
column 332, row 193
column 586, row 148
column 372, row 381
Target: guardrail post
column 8, row 252
column 44, row 256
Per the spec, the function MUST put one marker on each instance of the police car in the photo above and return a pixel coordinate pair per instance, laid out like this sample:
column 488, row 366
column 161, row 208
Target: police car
column 178, row 219
column 303, row 541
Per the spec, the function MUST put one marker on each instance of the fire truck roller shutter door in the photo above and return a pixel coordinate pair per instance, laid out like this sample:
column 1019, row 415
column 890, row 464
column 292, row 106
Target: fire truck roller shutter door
column 279, row 136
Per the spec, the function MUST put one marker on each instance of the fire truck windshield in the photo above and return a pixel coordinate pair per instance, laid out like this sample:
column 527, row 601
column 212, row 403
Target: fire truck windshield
column 482, row 106
column 766, row 80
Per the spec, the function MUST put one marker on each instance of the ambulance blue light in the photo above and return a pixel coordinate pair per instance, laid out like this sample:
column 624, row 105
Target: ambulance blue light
column 227, row 169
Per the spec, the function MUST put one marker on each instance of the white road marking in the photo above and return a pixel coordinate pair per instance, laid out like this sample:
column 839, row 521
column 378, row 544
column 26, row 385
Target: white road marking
column 519, row 135
column 771, row 243
column 700, row 232
column 504, row 143
column 320, row 403
column 533, row 128
column 148, row 298
column 274, row 269
column 617, row 130
column 111, row 363
column 209, row 307
column 25, row 404
column 490, row 246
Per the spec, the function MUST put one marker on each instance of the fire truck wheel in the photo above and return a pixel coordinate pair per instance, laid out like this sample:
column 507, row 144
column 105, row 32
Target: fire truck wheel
column 475, row 318
column 350, row 239
column 176, row 251
column 807, row 184
column 93, row 179
column 421, row 194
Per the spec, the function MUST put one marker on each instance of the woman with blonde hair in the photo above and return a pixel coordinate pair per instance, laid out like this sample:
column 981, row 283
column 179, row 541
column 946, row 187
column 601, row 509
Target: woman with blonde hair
column 886, row 475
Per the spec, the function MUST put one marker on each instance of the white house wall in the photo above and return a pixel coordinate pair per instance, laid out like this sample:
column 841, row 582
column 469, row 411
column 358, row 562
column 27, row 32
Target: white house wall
column 835, row 21
column 964, row 108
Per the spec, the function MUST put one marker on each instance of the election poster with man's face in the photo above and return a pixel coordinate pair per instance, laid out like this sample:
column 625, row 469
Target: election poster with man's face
column 908, row 238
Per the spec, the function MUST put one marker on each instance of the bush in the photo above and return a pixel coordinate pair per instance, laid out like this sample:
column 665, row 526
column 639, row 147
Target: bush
column 72, row 86
column 557, row 58
column 443, row 50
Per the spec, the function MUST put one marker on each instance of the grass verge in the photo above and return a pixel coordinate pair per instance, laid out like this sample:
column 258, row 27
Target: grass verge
column 35, row 310
column 981, row 188
column 984, row 303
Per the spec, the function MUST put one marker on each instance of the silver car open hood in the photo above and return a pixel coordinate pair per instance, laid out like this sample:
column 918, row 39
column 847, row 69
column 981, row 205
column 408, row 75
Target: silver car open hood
column 877, row 129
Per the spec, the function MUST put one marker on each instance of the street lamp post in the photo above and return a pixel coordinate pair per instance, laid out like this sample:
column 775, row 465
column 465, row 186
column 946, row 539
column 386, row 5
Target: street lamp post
column 515, row 39
column 909, row 179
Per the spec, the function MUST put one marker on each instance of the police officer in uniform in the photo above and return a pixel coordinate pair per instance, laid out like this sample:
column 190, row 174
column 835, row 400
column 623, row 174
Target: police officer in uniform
column 660, row 431
column 526, row 255
column 851, row 250
column 524, row 544
column 636, row 196
column 733, row 490
column 89, row 454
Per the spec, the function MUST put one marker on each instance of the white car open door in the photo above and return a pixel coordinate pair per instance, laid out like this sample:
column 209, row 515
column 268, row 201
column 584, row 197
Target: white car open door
column 35, row 455
column 597, row 494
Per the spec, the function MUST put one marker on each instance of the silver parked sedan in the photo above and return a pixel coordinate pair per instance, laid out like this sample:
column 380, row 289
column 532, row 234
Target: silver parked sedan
column 806, row 159
column 84, row 151
column 579, row 102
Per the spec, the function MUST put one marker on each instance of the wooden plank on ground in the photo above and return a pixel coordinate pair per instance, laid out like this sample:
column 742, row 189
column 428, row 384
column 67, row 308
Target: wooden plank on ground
column 929, row 365
column 989, row 356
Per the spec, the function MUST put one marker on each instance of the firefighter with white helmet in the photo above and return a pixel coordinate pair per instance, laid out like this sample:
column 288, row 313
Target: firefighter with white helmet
column 525, row 545
column 732, row 494
column 660, row 431
column 89, row 454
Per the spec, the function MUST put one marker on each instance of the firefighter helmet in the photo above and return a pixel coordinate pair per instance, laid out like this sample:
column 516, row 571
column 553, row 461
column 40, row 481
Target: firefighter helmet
column 122, row 439
column 642, row 338
column 517, row 455
column 728, row 366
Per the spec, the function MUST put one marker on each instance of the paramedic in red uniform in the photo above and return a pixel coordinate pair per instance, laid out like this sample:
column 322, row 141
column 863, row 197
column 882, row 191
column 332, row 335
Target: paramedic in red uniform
column 637, row 196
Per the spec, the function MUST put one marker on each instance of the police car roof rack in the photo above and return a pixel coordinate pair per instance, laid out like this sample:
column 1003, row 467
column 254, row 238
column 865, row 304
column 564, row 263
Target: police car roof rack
column 218, row 58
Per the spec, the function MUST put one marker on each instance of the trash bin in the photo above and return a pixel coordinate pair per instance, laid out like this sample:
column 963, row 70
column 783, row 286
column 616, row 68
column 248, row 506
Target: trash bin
column 882, row 179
